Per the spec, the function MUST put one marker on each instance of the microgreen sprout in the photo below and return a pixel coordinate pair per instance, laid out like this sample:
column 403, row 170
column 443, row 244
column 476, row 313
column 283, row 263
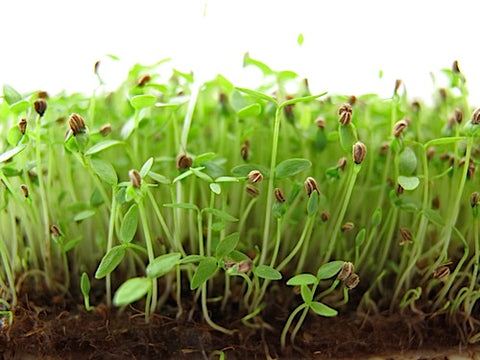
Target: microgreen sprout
column 166, row 182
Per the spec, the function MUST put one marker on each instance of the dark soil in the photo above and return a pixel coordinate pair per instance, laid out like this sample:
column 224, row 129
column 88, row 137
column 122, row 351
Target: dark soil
column 59, row 329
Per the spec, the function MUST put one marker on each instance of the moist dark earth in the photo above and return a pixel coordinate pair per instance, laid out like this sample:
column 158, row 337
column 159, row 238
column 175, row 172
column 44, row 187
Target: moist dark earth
column 56, row 327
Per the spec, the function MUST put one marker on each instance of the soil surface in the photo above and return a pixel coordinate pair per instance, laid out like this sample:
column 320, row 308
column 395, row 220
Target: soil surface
column 59, row 329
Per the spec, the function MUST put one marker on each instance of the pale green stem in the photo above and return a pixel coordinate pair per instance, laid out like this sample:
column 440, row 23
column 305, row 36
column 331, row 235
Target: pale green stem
column 272, row 264
column 277, row 243
column 299, row 244
column 209, row 224
column 303, row 255
column 271, row 180
column 163, row 224
column 226, row 292
column 299, row 324
column 453, row 275
column 420, row 235
column 289, row 323
column 245, row 214
column 111, row 231
column 8, row 272
column 333, row 239
column 206, row 315
column 452, row 219
column 151, row 255
column 476, row 260
column 44, row 203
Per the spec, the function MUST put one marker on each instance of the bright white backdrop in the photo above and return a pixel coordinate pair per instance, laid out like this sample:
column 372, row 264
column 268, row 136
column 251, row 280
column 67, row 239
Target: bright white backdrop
column 53, row 44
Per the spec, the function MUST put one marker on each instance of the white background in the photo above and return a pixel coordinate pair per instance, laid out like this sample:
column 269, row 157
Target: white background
column 52, row 45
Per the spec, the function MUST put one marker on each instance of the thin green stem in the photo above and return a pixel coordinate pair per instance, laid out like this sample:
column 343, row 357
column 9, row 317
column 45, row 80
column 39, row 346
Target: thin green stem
column 44, row 204
column 333, row 238
column 289, row 323
column 299, row 324
column 209, row 224
column 271, row 180
column 163, row 224
column 277, row 242
column 476, row 255
column 453, row 276
column 244, row 215
column 151, row 255
column 111, row 232
column 299, row 244
column 206, row 315
column 8, row 272
column 446, row 234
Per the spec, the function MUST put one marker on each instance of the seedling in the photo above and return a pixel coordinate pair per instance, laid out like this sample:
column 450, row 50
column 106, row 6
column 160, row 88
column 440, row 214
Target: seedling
column 175, row 189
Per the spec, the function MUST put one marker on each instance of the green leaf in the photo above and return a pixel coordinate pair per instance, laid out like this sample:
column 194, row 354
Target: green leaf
column 7, row 155
column 434, row 217
column 396, row 145
column 205, row 270
column 278, row 209
column 113, row 57
column 96, row 198
column 192, row 259
column 407, row 161
column 218, row 226
column 301, row 99
column 201, row 175
column 330, row 269
column 221, row 214
column 322, row 309
column 142, row 101
column 11, row 95
column 243, row 170
column 85, row 284
column 162, row 265
column 291, row 167
column 215, row 188
column 408, row 182
column 226, row 179
column 127, row 129
column 110, row 261
column 407, row 204
column 307, row 294
column 14, row 135
column 227, row 245
column 69, row 245
column 182, row 176
column 302, row 279
column 312, row 204
column 200, row 159
column 103, row 145
column 249, row 111
column 132, row 290
column 104, row 170
column 159, row 178
column 19, row 106
column 238, row 256
column 377, row 217
column 300, row 39
column 129, row 225
column 264, row 68
column 146, row 167
column 186, row 206
column 84, row 215
column 267, row 272
column 443, row 141
column 360, row 238
column 348, row 136
column 257, row 95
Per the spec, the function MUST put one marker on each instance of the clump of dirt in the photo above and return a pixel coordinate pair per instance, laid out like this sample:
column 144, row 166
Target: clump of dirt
column 60, row 329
